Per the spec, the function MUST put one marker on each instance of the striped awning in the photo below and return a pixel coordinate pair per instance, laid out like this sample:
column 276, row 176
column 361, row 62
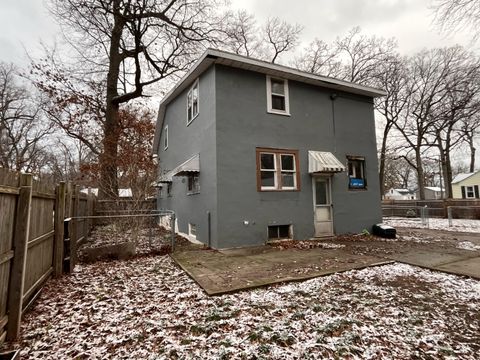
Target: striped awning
column 323, row 162
column 191, row 166
column 166, row 178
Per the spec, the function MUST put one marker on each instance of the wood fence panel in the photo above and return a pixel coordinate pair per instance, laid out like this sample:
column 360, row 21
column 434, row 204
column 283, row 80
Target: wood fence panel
column 40, row 244
column 8, row 199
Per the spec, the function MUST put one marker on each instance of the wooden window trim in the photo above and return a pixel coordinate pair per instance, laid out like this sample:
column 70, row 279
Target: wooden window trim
column 278, row 167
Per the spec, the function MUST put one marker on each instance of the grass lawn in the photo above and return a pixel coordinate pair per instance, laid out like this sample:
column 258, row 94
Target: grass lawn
column 148, row 308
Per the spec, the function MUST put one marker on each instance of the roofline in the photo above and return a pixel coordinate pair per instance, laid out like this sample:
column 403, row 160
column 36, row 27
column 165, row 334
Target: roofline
column 211, row 56
column 465, row 178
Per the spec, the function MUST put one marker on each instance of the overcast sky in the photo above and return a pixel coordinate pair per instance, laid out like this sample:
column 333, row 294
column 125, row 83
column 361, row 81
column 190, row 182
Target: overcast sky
column 24, row 23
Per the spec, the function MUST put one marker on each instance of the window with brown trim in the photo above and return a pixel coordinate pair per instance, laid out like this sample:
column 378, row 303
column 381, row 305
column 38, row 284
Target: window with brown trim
column 277, row 170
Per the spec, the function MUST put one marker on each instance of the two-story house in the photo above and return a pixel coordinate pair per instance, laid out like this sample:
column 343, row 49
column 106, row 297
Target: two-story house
column 251, row 151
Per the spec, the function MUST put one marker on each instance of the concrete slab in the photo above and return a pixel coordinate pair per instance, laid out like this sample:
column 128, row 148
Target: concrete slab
column 469, row 267
column 428, row 258
column 227, row 271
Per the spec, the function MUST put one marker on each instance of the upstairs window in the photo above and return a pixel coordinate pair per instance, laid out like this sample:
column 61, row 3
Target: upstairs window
column 277, row 96
column 277, row 170
column 165, row 139
column 192, row 103
column 356, row 172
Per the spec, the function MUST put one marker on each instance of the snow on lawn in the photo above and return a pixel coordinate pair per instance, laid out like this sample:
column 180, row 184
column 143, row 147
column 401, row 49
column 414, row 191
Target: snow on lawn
column 148, row 308
column 462, row 225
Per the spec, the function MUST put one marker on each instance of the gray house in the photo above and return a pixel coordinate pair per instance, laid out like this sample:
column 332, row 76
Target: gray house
column 251, row 151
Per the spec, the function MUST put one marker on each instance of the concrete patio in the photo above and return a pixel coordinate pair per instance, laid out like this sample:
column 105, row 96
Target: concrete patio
column 219, row 272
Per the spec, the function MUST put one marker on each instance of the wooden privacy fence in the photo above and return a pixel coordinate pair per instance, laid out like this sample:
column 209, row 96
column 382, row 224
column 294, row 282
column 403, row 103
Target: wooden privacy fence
column 33, row 245
column 461, row 208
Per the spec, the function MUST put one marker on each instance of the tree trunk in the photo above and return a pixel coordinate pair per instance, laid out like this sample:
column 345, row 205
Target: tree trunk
column 111, row 130
column 420, row 174
column 383, row 150
column 472, row 156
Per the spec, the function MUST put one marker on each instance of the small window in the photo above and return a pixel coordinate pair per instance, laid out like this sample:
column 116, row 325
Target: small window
column 193, row 184
column 279, row 232
column 356, row 172
column 169, row 189
column 277, row 170
column 192, row 102
column 469, row 192
column 165, row 139
column 192, row 230
column 277, row 96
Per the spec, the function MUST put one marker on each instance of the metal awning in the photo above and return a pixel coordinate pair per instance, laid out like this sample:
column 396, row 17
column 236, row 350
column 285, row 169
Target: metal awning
column 323, row 161
column 191, row 166
column 165, row 178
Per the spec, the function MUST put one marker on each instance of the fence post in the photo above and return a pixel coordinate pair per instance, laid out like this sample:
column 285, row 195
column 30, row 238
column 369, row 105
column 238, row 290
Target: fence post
column 59, row 229
column 68, row 200
column 172, row 228
column 20, row 246
column 74, row 228
column 449, row 214
column 89, row 211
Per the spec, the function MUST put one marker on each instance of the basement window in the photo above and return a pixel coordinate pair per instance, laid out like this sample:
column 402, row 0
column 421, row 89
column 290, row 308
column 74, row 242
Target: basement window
column 279, row 232
column 192, row 230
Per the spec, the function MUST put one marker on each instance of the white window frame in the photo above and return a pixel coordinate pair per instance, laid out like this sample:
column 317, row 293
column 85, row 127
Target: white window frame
column 285, row 95
column 472, row 188
column 165, row 138
column 294, row 171
column 194, row 227
column 196, row 85
column 274, row 170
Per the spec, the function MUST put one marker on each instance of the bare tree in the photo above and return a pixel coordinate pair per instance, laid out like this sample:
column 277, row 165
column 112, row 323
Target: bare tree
column 460, row 104
column 242, row 34
column 391, row 77
column 470, row 129
column 319, row 58
column 453, row 15
column 22, row 132
column 133, row 44
column 362, row 55
column 280, row 37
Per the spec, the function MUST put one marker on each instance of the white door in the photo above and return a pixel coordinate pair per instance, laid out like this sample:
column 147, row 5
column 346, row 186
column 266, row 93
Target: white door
column 322, row 202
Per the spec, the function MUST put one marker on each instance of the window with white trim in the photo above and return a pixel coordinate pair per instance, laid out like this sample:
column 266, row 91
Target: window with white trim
column 192, row 102
column 165, row 138
column 277, row 96
column 192, row 230
column 277, row 170
column 469, row 192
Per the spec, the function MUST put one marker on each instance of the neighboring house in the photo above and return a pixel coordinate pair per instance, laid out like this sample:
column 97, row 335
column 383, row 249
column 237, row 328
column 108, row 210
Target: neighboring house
column 400, row 194
column 466, row 186
column 122, row 193
column 433, row 193
column 250, row 151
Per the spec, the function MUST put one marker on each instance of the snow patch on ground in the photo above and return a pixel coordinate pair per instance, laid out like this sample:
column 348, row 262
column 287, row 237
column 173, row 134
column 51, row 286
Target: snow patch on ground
column 467, row 245
column 462, row 225
column 148, row 308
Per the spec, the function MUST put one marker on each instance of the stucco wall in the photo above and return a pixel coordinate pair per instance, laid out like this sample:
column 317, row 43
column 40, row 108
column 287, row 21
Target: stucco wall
column 345, row 127
column 185, row 141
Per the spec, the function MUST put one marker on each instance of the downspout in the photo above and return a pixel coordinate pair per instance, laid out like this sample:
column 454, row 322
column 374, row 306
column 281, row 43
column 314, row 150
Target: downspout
column 333, row 96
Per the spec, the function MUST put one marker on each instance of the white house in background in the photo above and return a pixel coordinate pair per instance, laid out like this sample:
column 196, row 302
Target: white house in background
column 122, row 193
column 433, row 193
column 400, row 194
column 466, row 186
